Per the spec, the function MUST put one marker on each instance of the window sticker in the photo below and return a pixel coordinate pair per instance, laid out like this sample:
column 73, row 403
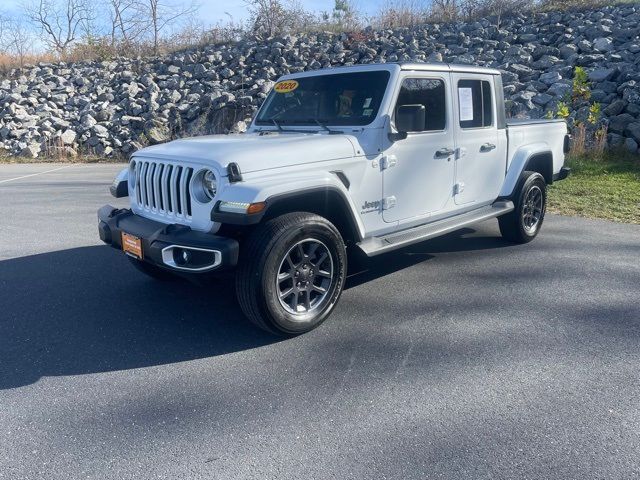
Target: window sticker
column 367, row 103
column 367, row 112
column 286, row 86
column 465, row 99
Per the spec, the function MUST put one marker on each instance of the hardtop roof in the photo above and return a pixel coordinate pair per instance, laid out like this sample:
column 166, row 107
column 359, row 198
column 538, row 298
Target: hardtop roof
column 415, row 66
column 451, row 67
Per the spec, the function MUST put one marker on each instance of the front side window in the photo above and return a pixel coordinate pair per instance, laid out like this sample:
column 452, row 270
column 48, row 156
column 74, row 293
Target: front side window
column 475, row 103
column 431, row 94
column 334, row 99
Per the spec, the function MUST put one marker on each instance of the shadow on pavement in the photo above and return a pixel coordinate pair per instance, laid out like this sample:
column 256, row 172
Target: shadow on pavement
column 86, row 310
column 362, row 269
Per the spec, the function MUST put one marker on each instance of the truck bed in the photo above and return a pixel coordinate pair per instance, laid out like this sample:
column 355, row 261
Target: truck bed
column 544, row 133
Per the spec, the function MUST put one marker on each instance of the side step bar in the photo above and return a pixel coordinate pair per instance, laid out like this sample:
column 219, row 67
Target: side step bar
column 377, row 245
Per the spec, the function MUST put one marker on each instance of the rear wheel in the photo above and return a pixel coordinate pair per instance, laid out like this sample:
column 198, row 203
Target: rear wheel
column 523, row 224
column 291, row 273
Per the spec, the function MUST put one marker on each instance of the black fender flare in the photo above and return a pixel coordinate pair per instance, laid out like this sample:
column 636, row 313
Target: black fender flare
column 328, row 201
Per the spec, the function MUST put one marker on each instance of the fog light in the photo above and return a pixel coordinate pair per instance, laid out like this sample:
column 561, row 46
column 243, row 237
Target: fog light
column 181, row 256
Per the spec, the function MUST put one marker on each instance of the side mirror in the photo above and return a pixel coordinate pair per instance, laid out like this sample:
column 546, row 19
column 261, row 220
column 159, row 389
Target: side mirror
column 409, row 118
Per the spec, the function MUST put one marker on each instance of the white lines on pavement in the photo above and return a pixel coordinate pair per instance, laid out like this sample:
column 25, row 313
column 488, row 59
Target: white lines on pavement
column 34, row 174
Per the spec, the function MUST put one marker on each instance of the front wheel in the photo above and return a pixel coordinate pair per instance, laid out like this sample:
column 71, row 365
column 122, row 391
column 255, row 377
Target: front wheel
column 523, row 224
column 291, row 273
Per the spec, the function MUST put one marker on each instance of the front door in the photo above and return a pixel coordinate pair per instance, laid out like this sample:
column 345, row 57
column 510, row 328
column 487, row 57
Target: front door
column 481, row 149
column 418, row 171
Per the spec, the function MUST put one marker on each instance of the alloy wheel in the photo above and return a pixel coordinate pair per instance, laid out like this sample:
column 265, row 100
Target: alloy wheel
column 305, row 277
column 532, row 209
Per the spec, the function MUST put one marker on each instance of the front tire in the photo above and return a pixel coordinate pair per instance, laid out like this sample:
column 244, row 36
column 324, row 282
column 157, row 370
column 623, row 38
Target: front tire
column 291, row 273
column 523, row 224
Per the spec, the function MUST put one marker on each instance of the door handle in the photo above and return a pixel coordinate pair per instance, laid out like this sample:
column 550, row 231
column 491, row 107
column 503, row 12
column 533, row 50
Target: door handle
column 487, row 147
column 445, row 152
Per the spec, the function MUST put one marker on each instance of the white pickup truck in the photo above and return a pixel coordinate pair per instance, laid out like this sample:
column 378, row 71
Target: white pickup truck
column 370, row 157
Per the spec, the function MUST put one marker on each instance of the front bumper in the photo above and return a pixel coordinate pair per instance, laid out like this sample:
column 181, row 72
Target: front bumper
column 165, row 245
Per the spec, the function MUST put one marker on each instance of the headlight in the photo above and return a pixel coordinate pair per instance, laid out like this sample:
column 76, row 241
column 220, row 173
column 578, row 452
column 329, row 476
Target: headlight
column 210, row 184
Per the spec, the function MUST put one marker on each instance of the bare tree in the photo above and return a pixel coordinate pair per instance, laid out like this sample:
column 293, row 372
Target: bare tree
column 17, row 40
column 266, row 15
column 495, row 8
column 128, row 21
column 401, row 13
column 500, row 8
column 3, row 28
column 445, row 10
column 163, row 13
column 59, row 20
column 225, row 31
column 274, row 17
column 343, row 17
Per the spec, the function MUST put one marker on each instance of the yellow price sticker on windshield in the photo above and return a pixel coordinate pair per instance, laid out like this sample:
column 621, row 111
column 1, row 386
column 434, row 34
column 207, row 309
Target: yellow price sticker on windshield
column 286, row 86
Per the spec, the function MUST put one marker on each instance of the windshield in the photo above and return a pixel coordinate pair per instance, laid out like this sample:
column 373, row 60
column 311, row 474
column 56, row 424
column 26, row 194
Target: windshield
column 335, row 99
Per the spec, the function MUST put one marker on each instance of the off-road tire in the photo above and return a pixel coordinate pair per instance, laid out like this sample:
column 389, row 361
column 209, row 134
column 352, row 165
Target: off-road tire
column 262, row 264
column 530, row 199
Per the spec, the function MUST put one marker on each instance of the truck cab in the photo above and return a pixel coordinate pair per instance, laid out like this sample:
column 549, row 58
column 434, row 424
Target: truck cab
column 375, row 157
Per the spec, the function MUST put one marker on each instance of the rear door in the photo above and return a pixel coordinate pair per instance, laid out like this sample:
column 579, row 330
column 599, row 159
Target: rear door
column 481, row 151
column 418, row 176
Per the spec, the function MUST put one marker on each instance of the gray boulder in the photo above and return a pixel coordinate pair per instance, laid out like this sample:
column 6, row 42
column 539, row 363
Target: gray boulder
column 603, row 44
column 542, row 99
column 615, row 108
column 550, row 78
column 631, row 145
column 602, row 74
column 633, row 131
column 559, row 89
column 157, row 132
column 619, row 123
column 31, row 151
column 68, row 137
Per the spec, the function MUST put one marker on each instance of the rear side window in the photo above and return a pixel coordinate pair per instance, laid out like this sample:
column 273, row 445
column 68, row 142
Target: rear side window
column 475, row 103
column 430, row 93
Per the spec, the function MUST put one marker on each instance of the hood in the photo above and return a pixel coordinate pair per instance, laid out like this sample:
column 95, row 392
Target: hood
column 253, row 152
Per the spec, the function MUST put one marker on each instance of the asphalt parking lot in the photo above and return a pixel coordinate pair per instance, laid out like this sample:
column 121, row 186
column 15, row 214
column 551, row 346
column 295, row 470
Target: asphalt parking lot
column 461, row 357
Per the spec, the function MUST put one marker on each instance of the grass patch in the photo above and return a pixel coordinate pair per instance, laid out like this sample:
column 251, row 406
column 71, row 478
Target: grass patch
column 605, row 187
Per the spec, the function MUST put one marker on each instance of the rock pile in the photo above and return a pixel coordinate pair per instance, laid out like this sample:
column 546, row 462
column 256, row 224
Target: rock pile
column 111, row 108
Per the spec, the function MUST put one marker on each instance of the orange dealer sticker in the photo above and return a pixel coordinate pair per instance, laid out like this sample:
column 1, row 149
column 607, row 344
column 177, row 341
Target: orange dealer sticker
column 286, row 86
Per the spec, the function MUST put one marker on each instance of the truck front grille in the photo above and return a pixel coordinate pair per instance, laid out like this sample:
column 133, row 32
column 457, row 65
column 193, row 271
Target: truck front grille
column 163, row 188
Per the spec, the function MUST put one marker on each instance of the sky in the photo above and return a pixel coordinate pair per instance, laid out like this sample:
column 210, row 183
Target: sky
column 212, row 11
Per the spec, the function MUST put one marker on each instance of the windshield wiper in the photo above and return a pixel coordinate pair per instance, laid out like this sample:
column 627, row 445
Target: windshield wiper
column 277, row 124
column 324, row 125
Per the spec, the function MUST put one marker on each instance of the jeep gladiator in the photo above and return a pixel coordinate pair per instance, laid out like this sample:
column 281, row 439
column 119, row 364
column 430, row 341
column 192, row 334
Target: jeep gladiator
column 369, row 157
